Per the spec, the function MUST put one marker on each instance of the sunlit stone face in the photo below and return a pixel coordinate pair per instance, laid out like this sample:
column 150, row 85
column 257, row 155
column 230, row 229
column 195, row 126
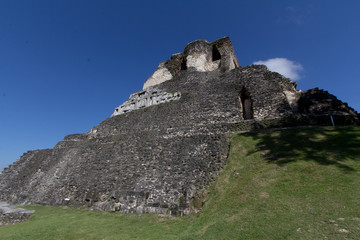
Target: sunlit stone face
column 161, row 74
column 200, row 62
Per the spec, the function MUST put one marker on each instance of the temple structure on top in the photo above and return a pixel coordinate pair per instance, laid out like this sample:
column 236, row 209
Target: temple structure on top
column 199, row 55
column 162, row 148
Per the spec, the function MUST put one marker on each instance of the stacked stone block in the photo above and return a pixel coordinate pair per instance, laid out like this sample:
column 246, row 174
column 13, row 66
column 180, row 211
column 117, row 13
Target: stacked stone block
column 159, row 158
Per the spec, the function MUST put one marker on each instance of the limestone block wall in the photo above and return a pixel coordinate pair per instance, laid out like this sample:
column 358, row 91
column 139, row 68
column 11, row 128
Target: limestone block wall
column 11, row 215
column 160, row 75
column 148, row 97
column 152, row 157
column 199, row 55
column 266, row 93
column 320, row 102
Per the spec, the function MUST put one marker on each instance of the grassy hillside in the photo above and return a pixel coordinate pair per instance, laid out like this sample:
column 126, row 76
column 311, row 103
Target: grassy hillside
column 299, row 183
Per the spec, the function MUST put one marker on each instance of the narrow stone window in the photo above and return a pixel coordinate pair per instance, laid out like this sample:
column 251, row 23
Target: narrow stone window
column 246, row 104
column 183, row 64
column 215, row 53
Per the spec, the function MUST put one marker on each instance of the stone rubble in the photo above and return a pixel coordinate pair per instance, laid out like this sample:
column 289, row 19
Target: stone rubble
column 11, row 215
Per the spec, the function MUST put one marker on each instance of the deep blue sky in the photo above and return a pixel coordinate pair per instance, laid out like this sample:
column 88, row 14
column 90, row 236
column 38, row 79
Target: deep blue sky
column 65, row 65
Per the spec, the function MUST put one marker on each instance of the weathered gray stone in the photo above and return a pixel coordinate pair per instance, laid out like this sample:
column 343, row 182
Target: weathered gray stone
column 199, row 55
column 161, row 74
column 11, row 215
column 146, row 98
column 158, row 158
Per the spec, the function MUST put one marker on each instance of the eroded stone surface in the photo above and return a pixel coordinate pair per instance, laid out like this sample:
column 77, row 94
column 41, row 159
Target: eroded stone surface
column 200, row 63
column 159, row 159
column 146, row 98
column 161, row 74
column 199, row 55
column 11, row 215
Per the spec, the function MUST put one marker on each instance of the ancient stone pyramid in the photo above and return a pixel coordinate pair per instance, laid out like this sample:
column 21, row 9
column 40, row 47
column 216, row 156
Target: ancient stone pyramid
column 161, row 148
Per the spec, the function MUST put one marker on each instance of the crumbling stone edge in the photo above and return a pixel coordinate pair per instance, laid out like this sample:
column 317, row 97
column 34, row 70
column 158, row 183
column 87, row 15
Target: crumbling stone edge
column 9, row 214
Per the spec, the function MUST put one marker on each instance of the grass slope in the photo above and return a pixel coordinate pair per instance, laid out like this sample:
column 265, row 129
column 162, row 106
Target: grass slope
column 299, row 183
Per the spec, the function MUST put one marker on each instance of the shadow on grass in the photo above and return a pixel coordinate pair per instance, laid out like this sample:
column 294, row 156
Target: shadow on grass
column 324, row 145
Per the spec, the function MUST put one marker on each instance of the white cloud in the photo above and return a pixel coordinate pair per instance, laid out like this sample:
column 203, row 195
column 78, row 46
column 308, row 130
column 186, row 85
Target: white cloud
column 286, row 67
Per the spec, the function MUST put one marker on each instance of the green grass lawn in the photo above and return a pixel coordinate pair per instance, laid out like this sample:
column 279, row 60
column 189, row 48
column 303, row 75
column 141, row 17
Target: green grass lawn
column 301, row 183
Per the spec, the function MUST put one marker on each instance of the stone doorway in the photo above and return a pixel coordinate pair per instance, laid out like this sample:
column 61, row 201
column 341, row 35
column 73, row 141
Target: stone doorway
column 246, row 104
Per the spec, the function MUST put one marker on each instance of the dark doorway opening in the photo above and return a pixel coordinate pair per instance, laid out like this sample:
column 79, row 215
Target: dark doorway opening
column 183, row 64
column 246, row 104
column 215, row 53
